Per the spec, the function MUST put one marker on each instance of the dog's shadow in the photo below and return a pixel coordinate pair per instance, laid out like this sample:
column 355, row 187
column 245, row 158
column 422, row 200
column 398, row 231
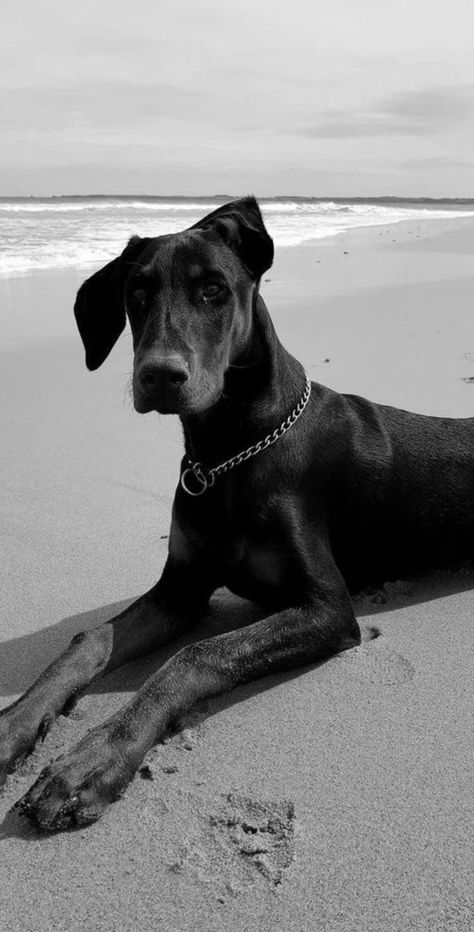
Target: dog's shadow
column 23, row 659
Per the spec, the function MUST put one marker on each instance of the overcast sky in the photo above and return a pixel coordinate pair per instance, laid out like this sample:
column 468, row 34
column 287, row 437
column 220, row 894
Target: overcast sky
column 318, row 97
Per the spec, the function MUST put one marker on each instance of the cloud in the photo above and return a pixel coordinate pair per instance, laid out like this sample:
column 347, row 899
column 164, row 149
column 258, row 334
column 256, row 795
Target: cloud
column 438, row 162
column 98, row 103
column 433, row 105
column 407, row 113
column 371, row 124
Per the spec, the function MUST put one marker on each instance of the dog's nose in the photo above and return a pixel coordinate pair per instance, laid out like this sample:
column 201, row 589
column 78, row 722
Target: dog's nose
column 163, row 373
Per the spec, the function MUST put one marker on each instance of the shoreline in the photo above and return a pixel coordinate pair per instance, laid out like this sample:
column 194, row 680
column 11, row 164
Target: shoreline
column 450, row 221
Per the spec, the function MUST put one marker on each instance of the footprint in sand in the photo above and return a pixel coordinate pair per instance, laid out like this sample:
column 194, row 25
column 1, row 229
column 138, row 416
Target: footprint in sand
column 392, row 669
column 245, row 841
column 260, row 833
column 376, row 665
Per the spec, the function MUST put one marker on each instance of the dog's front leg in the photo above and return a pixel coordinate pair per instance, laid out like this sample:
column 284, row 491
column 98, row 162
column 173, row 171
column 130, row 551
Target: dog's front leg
column 174, row 604
column 75, row 789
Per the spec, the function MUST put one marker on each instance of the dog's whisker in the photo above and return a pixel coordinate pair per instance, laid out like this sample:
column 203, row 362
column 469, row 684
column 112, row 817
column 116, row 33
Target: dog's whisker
column 127, row 392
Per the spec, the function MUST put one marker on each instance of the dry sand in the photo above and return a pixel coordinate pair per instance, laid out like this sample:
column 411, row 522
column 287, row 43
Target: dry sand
column 338, row 798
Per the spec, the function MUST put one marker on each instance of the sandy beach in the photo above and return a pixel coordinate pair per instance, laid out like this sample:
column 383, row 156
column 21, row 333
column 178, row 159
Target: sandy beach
column 357, row 774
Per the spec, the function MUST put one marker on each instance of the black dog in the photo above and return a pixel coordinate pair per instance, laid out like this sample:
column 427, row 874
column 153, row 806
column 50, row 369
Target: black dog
column 290, row 494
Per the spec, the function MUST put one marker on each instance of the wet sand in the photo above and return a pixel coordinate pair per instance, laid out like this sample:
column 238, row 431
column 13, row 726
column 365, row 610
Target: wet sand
column 336, row 798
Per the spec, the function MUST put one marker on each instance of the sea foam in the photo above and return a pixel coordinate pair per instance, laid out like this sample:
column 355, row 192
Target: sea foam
column 44, row 233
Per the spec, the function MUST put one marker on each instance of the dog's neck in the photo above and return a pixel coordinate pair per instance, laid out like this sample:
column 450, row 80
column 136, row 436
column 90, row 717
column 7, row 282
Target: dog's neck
column 262, row 386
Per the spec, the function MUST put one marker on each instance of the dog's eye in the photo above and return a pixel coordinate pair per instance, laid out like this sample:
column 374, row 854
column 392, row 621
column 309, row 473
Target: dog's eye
column 212, row 291
column 138, row 296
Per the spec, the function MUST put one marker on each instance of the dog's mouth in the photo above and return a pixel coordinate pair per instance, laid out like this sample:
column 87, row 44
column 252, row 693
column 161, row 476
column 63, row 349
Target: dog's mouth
column 181, row 401
column 143, row 404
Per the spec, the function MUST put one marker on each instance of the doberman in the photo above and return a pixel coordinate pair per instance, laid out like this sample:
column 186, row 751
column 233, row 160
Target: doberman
column 290, row 494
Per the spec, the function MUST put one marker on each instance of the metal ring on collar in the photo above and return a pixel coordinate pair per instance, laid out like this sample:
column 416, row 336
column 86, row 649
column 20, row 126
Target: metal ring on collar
column 198, row 474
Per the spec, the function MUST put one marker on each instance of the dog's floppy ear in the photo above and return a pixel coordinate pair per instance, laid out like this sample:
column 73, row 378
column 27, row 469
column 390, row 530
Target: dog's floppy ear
column 240, row 225
column 99, row 309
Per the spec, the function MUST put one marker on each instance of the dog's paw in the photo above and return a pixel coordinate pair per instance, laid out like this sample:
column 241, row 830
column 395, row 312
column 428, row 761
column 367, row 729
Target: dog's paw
column 76, row 788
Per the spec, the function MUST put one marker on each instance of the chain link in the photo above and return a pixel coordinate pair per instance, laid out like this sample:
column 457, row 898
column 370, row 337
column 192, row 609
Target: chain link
column 206, row 477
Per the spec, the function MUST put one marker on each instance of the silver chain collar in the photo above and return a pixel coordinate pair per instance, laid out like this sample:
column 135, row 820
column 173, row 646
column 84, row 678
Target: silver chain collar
column 205, row 478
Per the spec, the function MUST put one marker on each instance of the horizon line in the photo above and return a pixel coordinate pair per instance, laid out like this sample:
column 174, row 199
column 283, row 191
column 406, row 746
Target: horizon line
column 266, row 197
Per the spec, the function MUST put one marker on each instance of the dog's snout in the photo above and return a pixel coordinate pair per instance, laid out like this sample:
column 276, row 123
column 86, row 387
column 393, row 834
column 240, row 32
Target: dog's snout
column 162, row 373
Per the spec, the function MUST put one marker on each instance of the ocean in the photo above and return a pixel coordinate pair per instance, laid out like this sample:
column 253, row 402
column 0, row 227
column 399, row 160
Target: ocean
column 66, row 232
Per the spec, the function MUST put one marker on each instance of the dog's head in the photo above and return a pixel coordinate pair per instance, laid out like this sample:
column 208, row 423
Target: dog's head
column 189, row 298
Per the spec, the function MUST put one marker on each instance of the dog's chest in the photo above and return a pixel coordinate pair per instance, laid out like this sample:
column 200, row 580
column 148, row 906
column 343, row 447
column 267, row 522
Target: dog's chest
column 256, row 569
column 259, row 561
column 252, row 558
